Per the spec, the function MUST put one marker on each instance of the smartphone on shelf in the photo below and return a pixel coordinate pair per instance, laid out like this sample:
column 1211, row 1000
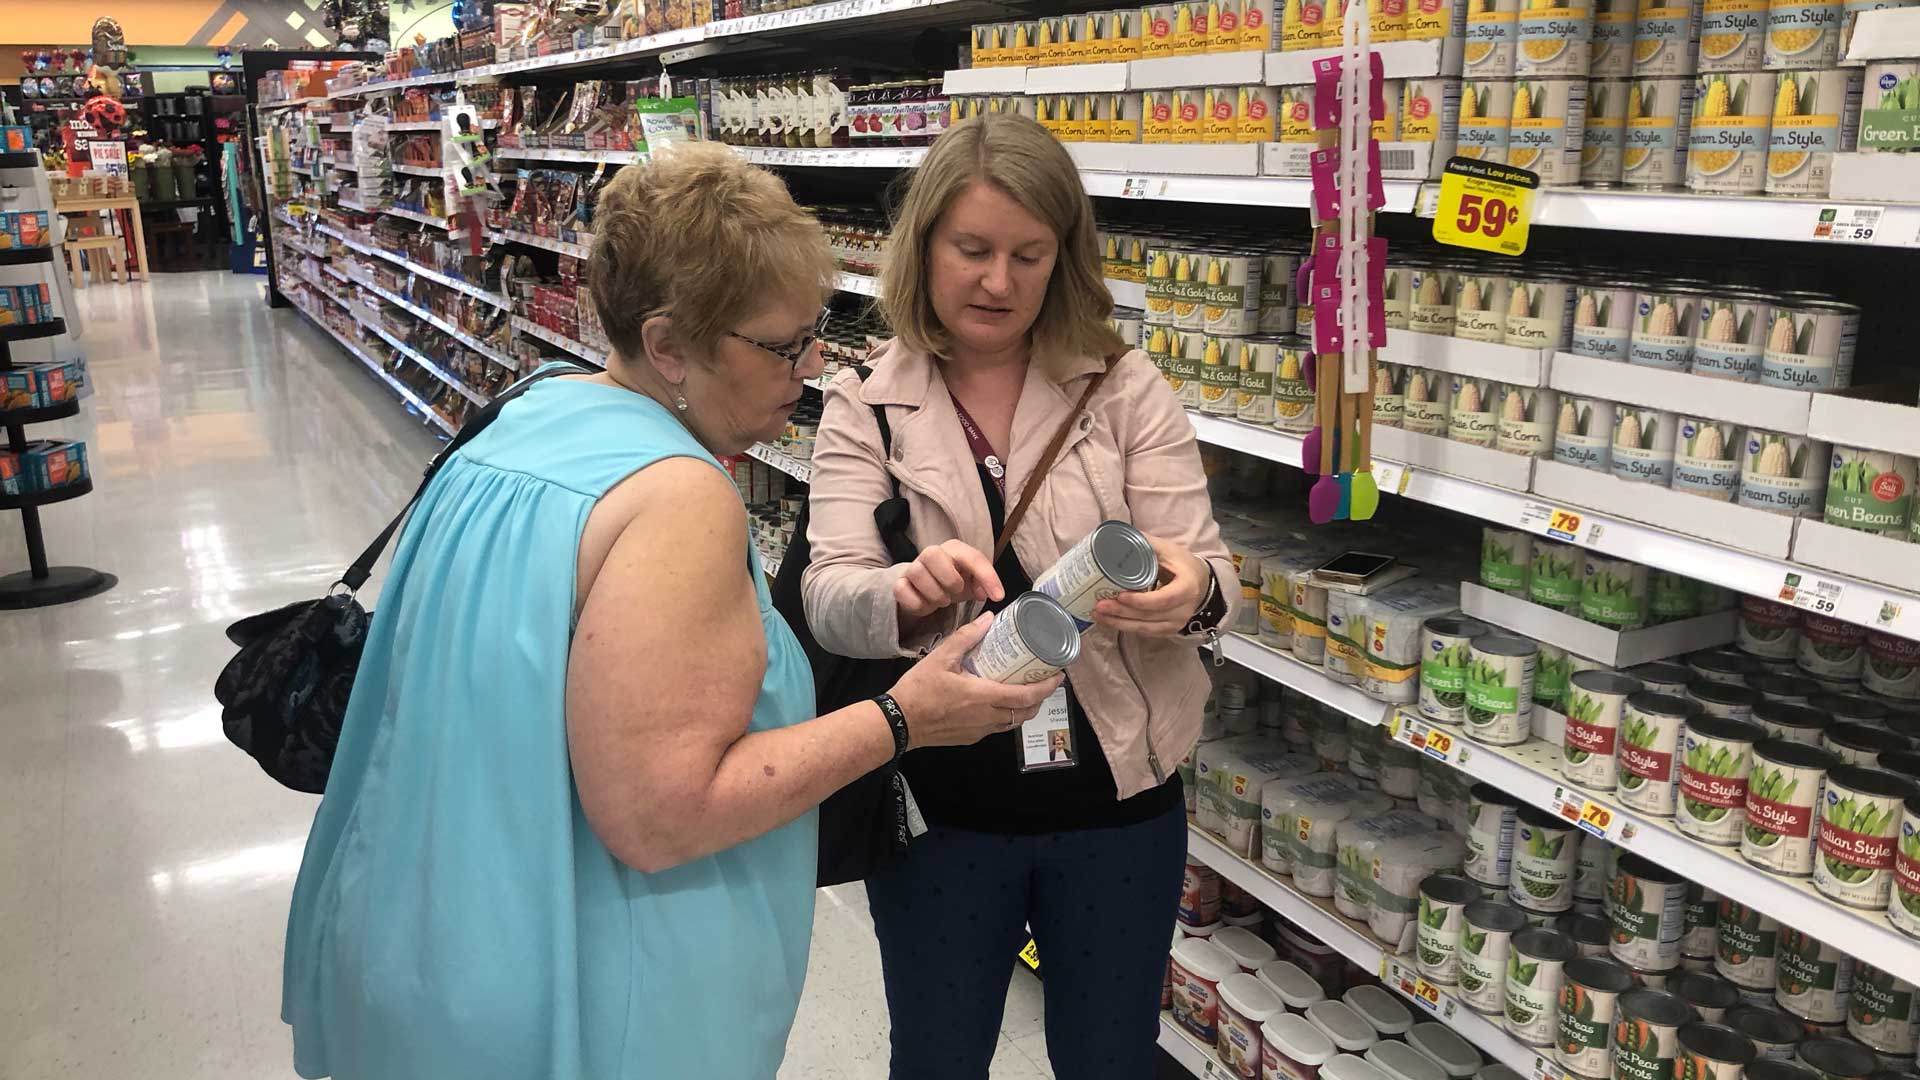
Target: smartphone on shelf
column 1354, row 568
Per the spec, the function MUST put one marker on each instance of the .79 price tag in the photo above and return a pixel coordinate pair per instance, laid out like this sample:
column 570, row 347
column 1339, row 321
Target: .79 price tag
column 1484, row 206
column 1576, row 809
column 1424, row 737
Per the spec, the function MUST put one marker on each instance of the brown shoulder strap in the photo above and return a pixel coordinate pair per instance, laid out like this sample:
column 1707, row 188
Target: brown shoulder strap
column 1039, row 476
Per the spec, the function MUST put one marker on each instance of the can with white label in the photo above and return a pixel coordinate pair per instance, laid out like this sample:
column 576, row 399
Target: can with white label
column 1492, row 817
column 1813, row 979
column 1443, row 903
column 1500, row 689
column 1904, row 910
column 1816, row 115
column 1031, row 640
column 1733, row 34
column 1589, row 998
column 1444, row 658
column 1554, row 41
column 1745, row 946
column 1114, row 558
column 1728, row 342
column 1583, row 433
column 1809, row 344
column 1603, row 147
column 1545, row 129
column 1544, row 846
column 1536, row 967
column 1783, row 801
column 1783, row 473
column 1610, row 52
column 1666, row 38
column 1596, row 703
column 1646, row 1035
column 1649, row 748
column 1659, row 126
column 1643, row 441
column 1664, row 327
column 1883, row 1011
column 1486, row 110
column 1486, row 938
column 1713, row 777
column 1859, row 822
column 1646, row 905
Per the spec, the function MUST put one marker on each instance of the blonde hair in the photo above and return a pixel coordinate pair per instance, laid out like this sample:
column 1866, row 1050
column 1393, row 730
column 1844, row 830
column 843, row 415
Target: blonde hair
column 1018, row 156
column 705, row 235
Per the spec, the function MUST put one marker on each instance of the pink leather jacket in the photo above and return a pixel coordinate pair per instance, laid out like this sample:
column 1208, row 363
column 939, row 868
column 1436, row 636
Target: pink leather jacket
column 1131, row 456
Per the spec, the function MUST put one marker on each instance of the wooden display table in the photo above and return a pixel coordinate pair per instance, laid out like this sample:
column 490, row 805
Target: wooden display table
column 129, row 204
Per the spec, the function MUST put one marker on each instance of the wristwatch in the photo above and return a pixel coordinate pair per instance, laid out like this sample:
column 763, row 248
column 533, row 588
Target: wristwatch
column 1212, row 610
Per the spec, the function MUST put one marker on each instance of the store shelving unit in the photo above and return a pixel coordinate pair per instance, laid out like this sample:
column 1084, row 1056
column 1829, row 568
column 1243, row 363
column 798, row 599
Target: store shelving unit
column 41, row 584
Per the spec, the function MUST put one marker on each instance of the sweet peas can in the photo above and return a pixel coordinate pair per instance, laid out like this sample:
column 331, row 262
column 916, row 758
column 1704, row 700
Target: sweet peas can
column 1745, row 946
column 1486, row 938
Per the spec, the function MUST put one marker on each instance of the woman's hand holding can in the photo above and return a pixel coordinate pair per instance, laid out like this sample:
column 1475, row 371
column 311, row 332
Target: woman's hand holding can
column 946, row 706
column 1162, row 611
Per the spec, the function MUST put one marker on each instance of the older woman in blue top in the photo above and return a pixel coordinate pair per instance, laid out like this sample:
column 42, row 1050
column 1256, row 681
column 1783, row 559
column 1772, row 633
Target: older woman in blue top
column 568, row 833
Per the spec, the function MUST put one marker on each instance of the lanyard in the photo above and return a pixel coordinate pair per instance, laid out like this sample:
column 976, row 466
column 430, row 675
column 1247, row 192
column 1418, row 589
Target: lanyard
column 982, row 449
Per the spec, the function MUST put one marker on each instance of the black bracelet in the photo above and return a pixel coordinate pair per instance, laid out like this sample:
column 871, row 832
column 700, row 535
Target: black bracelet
column 896, row 720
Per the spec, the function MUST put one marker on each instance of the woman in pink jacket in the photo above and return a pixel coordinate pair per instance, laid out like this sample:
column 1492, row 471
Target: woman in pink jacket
column 993, row 289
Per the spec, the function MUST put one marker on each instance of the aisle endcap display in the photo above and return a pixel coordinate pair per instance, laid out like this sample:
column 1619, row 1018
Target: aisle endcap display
column 1582, row 637
column 1398, row 59
column 1725, row 523
column 1772, row 408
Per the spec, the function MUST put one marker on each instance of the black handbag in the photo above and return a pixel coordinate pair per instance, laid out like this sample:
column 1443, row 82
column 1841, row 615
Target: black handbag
column 863, row 824
column 284, row 695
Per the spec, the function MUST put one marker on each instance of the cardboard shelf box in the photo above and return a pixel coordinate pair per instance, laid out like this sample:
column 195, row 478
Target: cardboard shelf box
column 1614, row 648
column 1494, row 467
column 1717, row 522
column 1682, row 393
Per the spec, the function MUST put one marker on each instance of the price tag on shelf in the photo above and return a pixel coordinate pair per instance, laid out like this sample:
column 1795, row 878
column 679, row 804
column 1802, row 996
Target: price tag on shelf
column 1424, row 737
column 1596, row 818
column 1811, row 592
column 1133, row 187
column 1390, row 477
column 1847, row 224
column 1544, row 1069
column 1410, row 982
column 1484, row 206
column 1554, row 521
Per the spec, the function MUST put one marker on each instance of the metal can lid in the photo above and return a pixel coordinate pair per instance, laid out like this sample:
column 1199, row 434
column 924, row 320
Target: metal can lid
column 1602, row 973
column 1450, row 889
column 1586, row 928
column 1703, row 988
column 1788, row 715
column 1764, row 1025
column 1836, row 1057
column 1717, row 1042
column 1856, row 736
column 1877, row 782
column 1723, row 660
column 1777, row 684
column 1639, row 866
column 1709, row 692
column 1504, row 645
column 1045, row 628
column 1650, row 703
column 1900, row 763
column 1797, row 754
column 1662, row 1007
column 1495, row 915
column 1458, row 626
column 1849, row 707
column 1725, row 728
column 1606, row 682
column 1545, row 944
column 1664, row 672
column 1123, row 554
column 1838, row 307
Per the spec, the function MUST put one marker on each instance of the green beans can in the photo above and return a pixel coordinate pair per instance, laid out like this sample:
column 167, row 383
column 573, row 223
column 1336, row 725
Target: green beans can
column 1443, row 904
column 1614, row 593
column 1767, row 628
column 1870, row 490
column 1646, row 906
column 1722, row 665
column 1493, row 816
column 1723, row 699
column 1857, row 742
column 1712, row 1052
column 1486, row 937
column 1444, row 658
column 1882, row 1011
column 1783, row 799
column 1859, row 820
column 1746, row 946
column 1536, row 969
column 1892, row 668
column 1595, row 707
column 1649, row 749
column 1554, row 578
column 1506, row 556
column 1718, row 758
column 1646, row 1034
column 1500, row 689
column 1812, row 979
column 1589, row 999
column 1550, row 677
column 1663, row 677
column 1904, row 910
column 1544, row 847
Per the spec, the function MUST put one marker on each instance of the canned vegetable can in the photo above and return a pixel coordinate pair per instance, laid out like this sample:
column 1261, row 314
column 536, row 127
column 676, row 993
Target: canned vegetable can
column 1486, row 938
column 1536, row 968
column 1816, row 115
column 1713, row 778
column 1445, row 655
column 1583, row 433
column 1493, row 816
column 1033, row 639
column 1646, row 1034
column 1859, row 821
column 1543, row 859
column 1745, row 946
column 1708, row 994
column 1712, row 1051
column 1589, row 998
column 1813, row 980
column 1596, row 704
column 1783, row 797
column 1500, row 689
column 1659, row 127
column 1643, row 441
column 1882, row 1011
column 1443, row 903
column 1646, row 905
column 1783, row 473
column 1649, row 744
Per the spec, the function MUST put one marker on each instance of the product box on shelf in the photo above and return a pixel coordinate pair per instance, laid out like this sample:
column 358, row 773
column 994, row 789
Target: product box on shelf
column 11, row 482
column 15, row 140
column 1722, row 523
column 24, row 229
column 1614, row 648
column 1890, row 560
column 1882, row 417
column 52, row 463
column 1496, row 467
column 25, row 304
column 1512, row 364
column 1772, row 408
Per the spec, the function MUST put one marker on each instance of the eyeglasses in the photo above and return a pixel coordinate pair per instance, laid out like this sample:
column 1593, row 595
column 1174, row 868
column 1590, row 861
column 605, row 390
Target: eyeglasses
column 792, row 353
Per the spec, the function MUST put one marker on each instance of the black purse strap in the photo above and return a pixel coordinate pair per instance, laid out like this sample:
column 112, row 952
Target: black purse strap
column 891, row 515
column 362, row 568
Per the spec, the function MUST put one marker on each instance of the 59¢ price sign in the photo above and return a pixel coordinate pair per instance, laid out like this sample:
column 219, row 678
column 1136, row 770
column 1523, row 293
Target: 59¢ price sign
column 1484, row 206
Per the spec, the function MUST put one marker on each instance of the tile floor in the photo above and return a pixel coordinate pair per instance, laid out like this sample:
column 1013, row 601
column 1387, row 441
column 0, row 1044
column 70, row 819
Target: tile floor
column 239, row 459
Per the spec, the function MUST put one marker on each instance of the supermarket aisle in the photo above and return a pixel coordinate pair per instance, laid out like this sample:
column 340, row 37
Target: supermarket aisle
column 239, row 459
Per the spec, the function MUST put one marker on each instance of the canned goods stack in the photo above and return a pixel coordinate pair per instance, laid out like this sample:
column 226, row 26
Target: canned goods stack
column 1091, row 37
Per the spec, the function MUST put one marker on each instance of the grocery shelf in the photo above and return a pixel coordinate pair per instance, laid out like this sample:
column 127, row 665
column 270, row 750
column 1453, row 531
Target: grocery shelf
column 859, row 284
column 19, row 256
column 29, row 331
column 1529, row 772
column 431, row 125
column 436, row 79
column 1735, row 217
column 583, row 351
column 769, row 563
column 49, row 496
column 1193, row 1055
column 381, row 373
column 40, row 415
column 578, row 250
column 1153, row 183
column 440, row 324
column 398, row 259
column 857, row 157
column 531, row 153
column 1127, row 293
column 1853, row 600
column 819, row 17
column 289, row 103
column 785, row 462
column 420, row 358
column 427, row 219
column 1318, row 918
column 420, row 170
